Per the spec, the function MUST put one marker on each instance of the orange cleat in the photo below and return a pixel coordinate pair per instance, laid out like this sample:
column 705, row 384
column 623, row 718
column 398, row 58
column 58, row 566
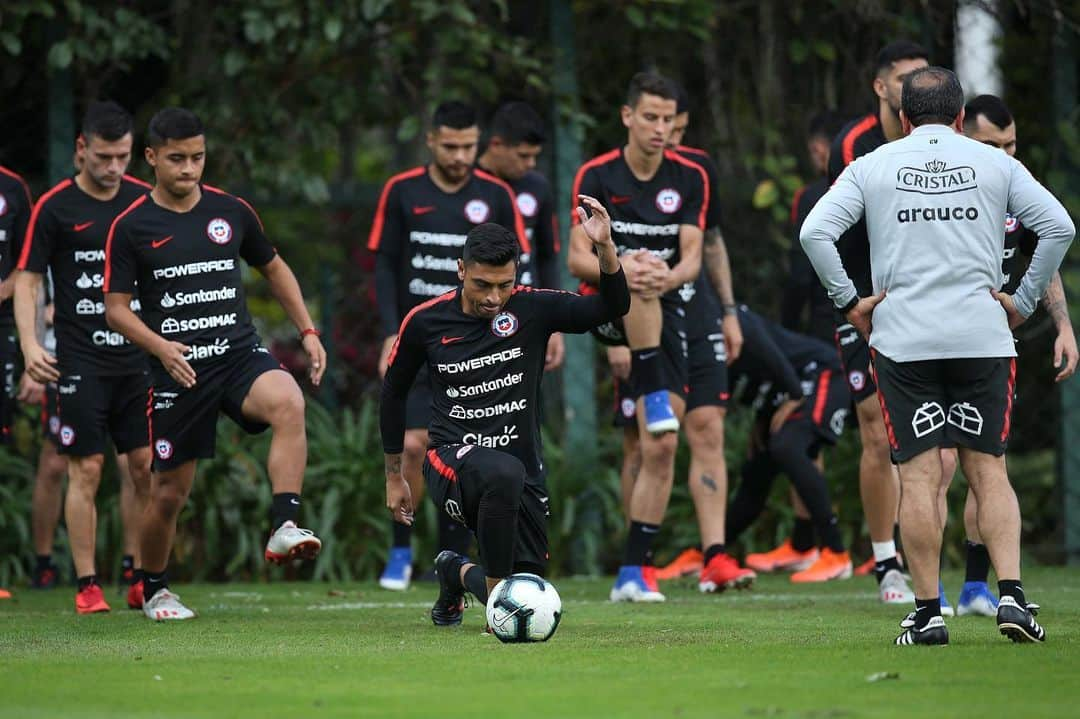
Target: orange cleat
column 690, row 561
column 5, row 594
column 865, row 569
column 723, row 572
column 135, row 595
column 91, row 600
column 830, row 565
column 784, row 558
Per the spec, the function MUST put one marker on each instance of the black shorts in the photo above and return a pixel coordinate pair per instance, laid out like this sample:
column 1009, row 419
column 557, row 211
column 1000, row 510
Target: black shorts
column 455, row 477
column 826, row 408
column 8, row 354
column 706, row 362
column 674, row 370
column 93, row 409
column 183, row 422
column 855, row 358
column 50, row 414
column 418, row 402
column 966, row 401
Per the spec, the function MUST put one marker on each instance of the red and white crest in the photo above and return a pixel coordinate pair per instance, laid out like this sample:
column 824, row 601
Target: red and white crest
column 219, row 231
column 527, row 204
column 668, row 200
column 477, row 211
column 163, row 448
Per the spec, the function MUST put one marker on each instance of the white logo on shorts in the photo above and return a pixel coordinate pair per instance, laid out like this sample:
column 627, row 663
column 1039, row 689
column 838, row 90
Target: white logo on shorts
column 836, row 422
column 464, row 451
column 54, row 425
column 164, row 448
column 966, row 417
column 857, row 380
column 928, row 418
column 454, row 510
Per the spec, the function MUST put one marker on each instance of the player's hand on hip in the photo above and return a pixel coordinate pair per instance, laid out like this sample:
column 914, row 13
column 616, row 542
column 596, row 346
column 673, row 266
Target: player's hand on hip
column 171, row 356
column 619, row 359
column 40, row 365
column 1009, row 305
column 399, row 499
column 556, row 352
column 861, row 315
column 384, row 356
column 733, row 339
column 595, row 222
column 782, row 413
column 30, row 390
column 1065, row 351
column 317, row 356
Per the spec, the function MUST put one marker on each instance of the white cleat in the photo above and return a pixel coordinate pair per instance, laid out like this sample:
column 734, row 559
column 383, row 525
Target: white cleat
column 165, row 606
column 894, row 588
column 292, row 542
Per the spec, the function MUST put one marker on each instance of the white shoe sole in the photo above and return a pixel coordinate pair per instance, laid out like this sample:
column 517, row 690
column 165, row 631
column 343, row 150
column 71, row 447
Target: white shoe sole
column 394, row 585
column 663, row 426
column 635, row 595
column 740, row 583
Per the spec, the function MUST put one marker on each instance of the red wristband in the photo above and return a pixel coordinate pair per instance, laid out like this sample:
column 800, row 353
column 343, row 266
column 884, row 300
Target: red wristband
column 310, row 331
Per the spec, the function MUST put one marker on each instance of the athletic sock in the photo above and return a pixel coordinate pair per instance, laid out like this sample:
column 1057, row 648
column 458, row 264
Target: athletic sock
column 86, row 581
column 402, row 534
column 44, row 561
column 285, row 507
column 645, row 370
column 978, row 563
column 829, row 531
column 127, row 565
column 136, row 575
column 712, row 551
column 152, row 582
column 881, row 568
column 639, row 542
column 925, row 610
column 476, row 583
column 802, row 536
column 1012, row 588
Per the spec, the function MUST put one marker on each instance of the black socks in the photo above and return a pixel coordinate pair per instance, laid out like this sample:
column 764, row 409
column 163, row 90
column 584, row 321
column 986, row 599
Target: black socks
column 284, row 508
column 639, row 541
column 978, row 563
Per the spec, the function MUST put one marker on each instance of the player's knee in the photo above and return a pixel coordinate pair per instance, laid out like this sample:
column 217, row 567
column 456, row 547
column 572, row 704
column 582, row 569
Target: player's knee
column 705, row 433
column 506, row 477
column 86, row 470
column 289, row 408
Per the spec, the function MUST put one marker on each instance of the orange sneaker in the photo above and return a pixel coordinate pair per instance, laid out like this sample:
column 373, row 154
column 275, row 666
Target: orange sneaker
column 689, row 561
column 830, row 565
column 5, row 594
column 135, row 595
column 723, row 572
column 784, row 558
column 865, row 568
column 91, row 600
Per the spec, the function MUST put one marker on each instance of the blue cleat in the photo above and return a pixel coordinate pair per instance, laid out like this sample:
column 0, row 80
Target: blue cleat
column 398, row 570
column 636, row 584
column 659, row 417
column 976, row 599
column 946, row 608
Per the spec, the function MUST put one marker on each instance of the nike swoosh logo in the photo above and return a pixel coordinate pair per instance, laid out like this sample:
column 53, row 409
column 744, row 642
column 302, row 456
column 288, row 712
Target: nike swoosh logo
column 82, row 226
column 448, row 340
column 295, row 501
column 158, row 243
column 620, row 199
column 422, row 210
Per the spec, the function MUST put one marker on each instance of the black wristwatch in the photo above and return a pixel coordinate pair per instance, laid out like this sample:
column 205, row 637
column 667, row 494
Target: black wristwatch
column 850, row 305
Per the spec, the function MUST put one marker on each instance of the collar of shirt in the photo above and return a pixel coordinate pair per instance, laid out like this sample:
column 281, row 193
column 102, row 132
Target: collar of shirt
column 932, row 129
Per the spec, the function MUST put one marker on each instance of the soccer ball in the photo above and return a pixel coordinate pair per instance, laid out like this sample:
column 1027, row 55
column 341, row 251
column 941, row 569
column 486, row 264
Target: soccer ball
column 524, row 608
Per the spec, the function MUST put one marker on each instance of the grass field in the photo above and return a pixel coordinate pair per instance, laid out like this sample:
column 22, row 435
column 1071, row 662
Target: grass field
column 316, row 650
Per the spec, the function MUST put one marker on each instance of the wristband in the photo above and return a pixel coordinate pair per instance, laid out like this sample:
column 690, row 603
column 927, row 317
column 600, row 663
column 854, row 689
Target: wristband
column 731, row 310
column 850, row 305
column 310, row 331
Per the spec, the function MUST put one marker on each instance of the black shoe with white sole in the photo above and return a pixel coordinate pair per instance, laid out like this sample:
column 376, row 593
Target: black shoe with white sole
column 1018, row 623
column 450, row 605
column 934, row 633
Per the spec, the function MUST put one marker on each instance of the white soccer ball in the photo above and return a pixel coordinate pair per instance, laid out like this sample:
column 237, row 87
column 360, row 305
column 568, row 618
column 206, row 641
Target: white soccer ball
column 524, row 608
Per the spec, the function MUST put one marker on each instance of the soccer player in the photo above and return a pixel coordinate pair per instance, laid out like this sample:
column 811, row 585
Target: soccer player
column 933, row 204
column 181, row 246
column 516, row 140
column 802, row 401
column 878, row 484
column 100, row 378
column 483, row 344
column 421, row 222
column 658, row 202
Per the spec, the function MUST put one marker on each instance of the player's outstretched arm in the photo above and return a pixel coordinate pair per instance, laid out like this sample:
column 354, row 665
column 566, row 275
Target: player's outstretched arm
column 120, row 318
column 40, row 365
column 286, row 291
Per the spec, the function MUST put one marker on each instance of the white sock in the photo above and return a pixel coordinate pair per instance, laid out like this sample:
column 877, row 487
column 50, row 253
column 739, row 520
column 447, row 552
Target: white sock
column 883, row 550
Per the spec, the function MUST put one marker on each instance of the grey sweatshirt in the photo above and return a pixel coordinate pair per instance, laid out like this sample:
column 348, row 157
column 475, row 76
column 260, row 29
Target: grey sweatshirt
column 933, row 203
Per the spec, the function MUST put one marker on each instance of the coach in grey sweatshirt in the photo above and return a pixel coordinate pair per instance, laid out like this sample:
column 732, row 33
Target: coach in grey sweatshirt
column 939, row 330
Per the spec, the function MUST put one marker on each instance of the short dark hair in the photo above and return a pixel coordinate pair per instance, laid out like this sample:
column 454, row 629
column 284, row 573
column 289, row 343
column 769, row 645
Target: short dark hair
column 650, row 83
column 992, row 107
column 516, row 123
column 932, row 95
column 453, row 114
column 899, row 50
column 173, row 123
column 490, row 244
column 826, row 123
column 106, row 120
column 682, row 100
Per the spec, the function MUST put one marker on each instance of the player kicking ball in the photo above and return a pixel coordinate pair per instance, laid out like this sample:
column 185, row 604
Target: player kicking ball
column 484, row 345
column 181, row 245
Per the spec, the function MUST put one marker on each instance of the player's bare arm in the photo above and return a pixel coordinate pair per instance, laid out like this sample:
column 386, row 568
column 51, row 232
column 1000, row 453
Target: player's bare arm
column 40, row 365
column 286, row 291
column 398, row 495
column 1066, row 354
column 861, row 315
column 597, row 229
column 120, row 317
column 719, row 268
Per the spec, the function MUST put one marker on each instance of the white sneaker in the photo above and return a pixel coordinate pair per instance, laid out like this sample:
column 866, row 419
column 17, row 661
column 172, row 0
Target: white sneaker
column 894, row 588
column 165, row 606
column 291, row 542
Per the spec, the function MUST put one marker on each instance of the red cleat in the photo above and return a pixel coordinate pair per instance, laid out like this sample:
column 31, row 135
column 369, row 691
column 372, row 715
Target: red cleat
column 830, row 565
column 784, row 558
column 135, row 595
column 690, row 561
column 723, row 572
column 91, row 600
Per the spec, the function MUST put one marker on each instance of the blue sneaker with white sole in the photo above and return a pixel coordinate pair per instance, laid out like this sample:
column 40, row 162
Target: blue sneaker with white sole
column 977, row 599
column 659, row 417
column 946, row 608
column 636, row 584
column 398, row 570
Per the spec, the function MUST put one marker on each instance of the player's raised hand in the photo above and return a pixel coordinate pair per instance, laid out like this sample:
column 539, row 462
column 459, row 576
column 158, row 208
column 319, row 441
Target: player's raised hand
column 861, row 315
column 40, row 365
column 1006, row 300
column 316, row 356
column 171, row 355
column 597, row 226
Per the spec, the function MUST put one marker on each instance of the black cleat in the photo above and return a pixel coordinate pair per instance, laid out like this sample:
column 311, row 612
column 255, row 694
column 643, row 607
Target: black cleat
column 45, row 577
column 449, row 607
column 934, row 633
column 1018, row 623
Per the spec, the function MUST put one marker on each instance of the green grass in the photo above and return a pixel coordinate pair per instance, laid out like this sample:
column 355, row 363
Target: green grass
column 316, row 650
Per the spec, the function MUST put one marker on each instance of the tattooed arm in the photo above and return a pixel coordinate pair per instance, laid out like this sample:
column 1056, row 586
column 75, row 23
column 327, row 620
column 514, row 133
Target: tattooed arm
column 1065, row 345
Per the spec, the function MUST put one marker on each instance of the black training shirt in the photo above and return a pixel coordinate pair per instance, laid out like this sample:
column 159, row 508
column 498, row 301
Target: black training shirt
column 15, row 204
